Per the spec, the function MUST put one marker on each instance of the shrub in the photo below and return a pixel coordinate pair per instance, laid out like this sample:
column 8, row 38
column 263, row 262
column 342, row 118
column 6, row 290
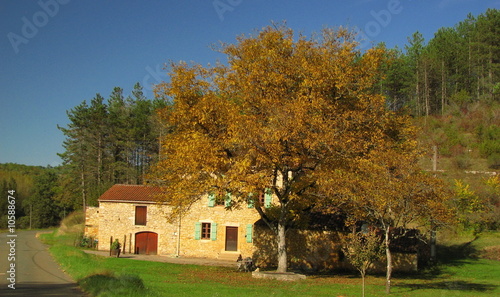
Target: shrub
column 102, row 284
column 462, row 162
column 494, row 161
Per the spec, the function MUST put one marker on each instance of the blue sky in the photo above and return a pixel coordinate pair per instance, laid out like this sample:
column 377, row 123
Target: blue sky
column 54, row 54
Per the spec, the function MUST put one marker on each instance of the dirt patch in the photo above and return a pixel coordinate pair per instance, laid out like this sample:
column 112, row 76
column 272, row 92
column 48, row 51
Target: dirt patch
column 491, row 253
column 64, row 229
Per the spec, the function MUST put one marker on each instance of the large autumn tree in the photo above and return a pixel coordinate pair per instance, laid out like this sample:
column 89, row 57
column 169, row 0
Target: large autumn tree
column 283, row 114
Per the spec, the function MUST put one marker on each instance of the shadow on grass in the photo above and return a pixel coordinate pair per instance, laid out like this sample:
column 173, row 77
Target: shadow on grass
column 455, row 255
column 436, row 277
column 450, row 285
column 348, row 274
column 452, row 254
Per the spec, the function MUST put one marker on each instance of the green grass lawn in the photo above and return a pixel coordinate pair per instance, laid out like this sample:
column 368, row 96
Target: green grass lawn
column 457, row 275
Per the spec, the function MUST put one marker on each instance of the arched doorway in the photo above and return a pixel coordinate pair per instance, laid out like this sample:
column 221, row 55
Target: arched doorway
column 146, row 243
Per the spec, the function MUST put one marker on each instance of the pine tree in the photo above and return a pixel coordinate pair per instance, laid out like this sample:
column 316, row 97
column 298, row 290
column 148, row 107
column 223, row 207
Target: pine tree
column 414, row 53
column 120, row 137
column 488, row 45
column 107, row 143
column 76, row 155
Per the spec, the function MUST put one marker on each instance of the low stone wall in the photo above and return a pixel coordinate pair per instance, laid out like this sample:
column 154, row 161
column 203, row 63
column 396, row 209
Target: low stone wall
column 286, row 276
column 402, row 262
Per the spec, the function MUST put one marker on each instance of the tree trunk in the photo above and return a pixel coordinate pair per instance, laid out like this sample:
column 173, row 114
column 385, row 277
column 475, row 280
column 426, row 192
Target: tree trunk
column 389, row 261
column 282, row 257
column 279, row 230
column 417, row 92
column 363, row 283
column 490, row 73
column 99, row 161
column 433, row 243
column 426, row 92
column 84, row 190
column 443, row 87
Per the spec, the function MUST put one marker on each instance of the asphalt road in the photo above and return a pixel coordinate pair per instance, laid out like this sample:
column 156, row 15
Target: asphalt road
column 34, row 273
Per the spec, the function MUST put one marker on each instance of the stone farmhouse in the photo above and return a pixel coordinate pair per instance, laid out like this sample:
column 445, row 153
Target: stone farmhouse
column 131, row 214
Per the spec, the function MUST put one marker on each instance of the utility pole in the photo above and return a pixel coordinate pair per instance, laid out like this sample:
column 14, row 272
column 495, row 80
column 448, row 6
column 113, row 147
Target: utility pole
column 434, row 158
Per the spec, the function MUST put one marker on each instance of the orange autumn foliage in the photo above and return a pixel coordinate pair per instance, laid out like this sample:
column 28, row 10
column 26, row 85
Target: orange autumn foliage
column 285, row 113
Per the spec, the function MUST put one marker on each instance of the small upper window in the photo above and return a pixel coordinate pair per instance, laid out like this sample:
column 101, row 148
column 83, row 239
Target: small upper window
column 261, row 198
column 219, row 200
column 141, row 215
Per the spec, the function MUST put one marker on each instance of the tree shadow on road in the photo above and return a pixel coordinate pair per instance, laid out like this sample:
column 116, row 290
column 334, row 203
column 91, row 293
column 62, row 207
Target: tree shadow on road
column 43, row 289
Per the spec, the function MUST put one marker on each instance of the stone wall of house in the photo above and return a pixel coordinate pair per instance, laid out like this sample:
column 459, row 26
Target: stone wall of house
column 91, row 221
column 307, row 250
column 402, row 262
column 117, row 220
column 316, row 250
column 201, row 212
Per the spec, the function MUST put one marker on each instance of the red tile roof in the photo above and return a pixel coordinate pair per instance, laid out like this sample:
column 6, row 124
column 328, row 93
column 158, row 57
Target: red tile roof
column 135, row 193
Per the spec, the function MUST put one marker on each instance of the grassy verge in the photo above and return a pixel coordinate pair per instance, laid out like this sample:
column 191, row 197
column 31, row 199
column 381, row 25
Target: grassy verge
column 460, row 274
column 93, row 273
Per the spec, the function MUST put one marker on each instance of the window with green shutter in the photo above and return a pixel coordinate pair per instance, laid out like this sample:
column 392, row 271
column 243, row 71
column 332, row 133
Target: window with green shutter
column 213, row 233
column 211, row 200
column 267, row 198
column 249, row 234
column 197, row 231
column 227, row 200
column 205, row 230
column 251, row 200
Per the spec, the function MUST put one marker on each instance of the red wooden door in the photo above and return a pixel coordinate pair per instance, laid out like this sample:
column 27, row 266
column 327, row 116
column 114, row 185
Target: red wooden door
column 146, row 243
column 231, row 238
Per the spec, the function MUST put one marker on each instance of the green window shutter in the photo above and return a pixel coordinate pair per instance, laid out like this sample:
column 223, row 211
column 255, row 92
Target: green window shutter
column 211, row 200
column 197, row 230
column 249, row 233
column 213, row 231
column 251, row 200
column 267, row 198
column 227, row 201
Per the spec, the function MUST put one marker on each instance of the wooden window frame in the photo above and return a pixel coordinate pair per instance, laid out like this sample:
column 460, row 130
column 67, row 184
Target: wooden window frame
column 264, row 198
column 261, row 198
column 141, row 217
column 206, row 229
column 219, row 200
